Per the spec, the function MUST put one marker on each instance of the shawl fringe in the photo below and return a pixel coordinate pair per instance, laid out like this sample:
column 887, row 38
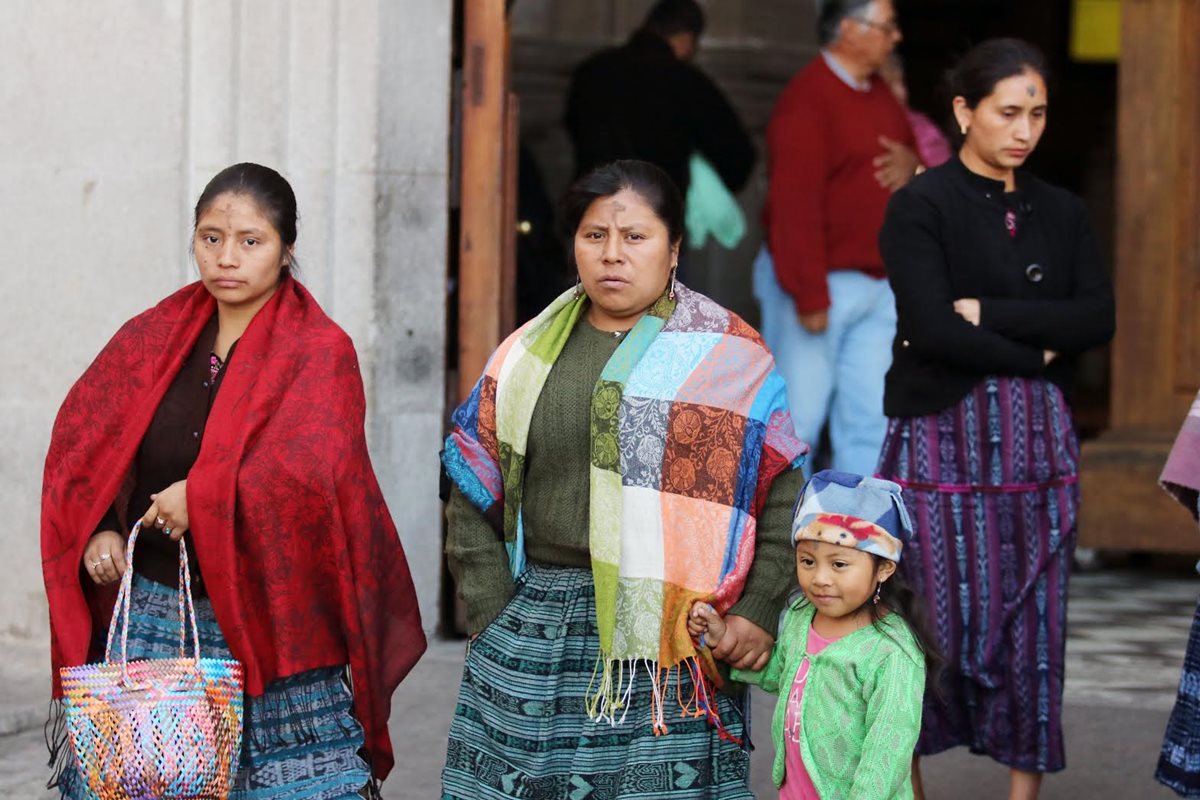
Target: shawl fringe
column 607, row 698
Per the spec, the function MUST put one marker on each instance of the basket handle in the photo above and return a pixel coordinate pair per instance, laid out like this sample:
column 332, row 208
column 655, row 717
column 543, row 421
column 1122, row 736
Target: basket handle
column 121, row 608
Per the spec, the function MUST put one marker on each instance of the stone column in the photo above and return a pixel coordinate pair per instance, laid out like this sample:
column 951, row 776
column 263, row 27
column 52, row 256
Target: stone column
column 119, row 113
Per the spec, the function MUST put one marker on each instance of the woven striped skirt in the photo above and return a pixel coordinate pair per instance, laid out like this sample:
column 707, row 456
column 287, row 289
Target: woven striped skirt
column 521, row 729
column 991, row 486
column 299, row 740
column 1179, row 762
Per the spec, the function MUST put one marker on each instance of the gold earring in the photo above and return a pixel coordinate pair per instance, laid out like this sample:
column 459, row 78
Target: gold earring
column 674, row 270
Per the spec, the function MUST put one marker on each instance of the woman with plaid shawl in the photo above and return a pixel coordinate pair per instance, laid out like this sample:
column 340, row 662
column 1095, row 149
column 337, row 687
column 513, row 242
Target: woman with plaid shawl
column 625, row 453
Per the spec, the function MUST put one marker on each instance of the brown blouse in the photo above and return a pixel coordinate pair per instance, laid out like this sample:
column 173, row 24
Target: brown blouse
column 167, row 452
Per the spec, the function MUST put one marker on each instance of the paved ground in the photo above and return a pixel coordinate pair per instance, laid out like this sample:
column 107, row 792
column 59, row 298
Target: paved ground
column 1127, row 635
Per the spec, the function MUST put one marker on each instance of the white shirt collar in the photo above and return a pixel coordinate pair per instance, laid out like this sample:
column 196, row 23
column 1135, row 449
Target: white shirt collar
column 844, row 76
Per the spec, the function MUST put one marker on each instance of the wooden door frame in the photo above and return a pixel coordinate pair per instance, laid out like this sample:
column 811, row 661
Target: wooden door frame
column 488, row 186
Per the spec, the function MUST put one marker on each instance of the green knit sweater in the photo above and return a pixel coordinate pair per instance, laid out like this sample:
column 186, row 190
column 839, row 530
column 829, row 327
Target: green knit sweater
column 861, row 712
column 556, row 501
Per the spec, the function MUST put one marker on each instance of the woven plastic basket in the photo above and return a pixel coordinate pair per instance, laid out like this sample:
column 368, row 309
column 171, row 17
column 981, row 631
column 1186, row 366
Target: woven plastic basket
column 164, row 728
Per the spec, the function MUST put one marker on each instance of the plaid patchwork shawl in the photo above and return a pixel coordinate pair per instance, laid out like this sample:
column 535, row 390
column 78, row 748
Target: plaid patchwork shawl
column 689, row 427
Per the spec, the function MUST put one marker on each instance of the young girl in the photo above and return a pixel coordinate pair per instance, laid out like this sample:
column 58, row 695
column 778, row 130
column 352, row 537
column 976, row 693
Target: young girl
column 852, row 653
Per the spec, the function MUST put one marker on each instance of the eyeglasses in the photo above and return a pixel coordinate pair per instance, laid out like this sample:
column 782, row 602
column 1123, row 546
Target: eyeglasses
column 890, row 27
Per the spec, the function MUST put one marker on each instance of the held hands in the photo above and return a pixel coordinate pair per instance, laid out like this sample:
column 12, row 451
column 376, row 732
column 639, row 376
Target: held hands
column 734, row 639
column 168, row 511
column 896, row 166
column 104, row 557
column 705, row 624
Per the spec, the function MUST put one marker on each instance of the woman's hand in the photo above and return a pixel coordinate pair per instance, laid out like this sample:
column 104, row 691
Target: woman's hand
column 168, row 511
column 104, row 557
column 705, row 623
column 744, row 645
column 968, row 309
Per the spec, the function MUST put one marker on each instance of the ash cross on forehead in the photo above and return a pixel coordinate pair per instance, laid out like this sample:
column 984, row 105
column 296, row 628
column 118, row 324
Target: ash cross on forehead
column 1031, row 90
column 616, row 206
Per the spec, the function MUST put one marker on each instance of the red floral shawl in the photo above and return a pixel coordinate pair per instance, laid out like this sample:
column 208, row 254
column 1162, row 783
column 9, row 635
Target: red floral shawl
column 300, row 557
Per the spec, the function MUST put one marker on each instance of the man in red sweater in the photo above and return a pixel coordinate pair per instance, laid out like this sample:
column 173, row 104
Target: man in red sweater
column 839, row 144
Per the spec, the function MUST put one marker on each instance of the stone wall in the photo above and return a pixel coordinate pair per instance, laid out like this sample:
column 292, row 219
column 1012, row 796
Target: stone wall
column 116, row 116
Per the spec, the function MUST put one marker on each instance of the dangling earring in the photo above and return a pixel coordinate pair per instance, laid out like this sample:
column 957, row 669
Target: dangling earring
column 578, row 285
column 674, row 270
column 962, row 129
column 878, row 589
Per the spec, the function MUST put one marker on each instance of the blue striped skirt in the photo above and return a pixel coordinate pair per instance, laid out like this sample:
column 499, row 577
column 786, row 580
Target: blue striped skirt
column 991, row 486
column 521, row 728
column 299, row 740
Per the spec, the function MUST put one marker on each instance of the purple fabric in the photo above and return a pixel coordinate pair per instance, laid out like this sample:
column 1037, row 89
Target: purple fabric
column 1181, row 476
column 992, row 563
column 932, row 145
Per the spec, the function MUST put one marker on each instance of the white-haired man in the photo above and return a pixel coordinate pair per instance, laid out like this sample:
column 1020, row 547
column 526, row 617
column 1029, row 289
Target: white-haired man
column 839, row 144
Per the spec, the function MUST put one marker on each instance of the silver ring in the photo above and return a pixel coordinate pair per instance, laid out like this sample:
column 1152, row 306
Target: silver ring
column 104, row 557
column 94, row 565
column 167, row 531
column 160, row 521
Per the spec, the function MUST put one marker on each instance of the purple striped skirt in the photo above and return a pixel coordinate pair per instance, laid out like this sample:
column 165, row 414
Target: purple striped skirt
column 991, row 486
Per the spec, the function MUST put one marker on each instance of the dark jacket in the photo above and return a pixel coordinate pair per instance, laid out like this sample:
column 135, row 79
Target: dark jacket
column 640, row 101
column 944, row 238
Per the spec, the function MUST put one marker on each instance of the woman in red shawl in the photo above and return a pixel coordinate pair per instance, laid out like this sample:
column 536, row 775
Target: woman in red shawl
column 231, row 415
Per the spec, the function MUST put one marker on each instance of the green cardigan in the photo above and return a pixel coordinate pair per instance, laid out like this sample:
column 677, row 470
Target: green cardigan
column 861, row 711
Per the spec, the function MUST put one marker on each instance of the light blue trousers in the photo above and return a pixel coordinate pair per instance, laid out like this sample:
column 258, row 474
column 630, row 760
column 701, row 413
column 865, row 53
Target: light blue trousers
column 837, row 374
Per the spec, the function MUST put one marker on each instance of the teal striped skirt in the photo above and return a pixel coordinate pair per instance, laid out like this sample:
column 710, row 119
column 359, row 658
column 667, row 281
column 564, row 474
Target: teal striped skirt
column 521, row 728
column 299, row 740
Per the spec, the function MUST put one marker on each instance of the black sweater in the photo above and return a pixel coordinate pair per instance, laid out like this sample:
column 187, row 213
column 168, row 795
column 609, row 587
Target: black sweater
column 943, row 239
column 640, row 101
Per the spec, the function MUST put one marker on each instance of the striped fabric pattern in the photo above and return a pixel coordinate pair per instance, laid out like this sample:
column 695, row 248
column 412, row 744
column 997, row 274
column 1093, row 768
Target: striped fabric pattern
column 1179, row 762
column 521, row 726
column 991, row 484
column 689, row 426
column 299, row 740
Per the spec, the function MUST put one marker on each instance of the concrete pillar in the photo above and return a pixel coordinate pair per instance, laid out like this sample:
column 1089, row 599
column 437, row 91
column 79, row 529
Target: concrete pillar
column 121, row 112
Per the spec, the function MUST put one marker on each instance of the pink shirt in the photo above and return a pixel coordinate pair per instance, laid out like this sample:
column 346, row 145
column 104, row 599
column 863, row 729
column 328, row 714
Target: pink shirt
column 797, row 785
column 932, row 146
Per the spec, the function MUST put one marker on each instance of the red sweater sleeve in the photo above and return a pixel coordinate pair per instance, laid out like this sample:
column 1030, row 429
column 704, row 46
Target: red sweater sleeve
column 798, row 179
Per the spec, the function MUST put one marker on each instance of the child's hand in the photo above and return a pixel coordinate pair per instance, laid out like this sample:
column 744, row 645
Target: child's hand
column 704, row 621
